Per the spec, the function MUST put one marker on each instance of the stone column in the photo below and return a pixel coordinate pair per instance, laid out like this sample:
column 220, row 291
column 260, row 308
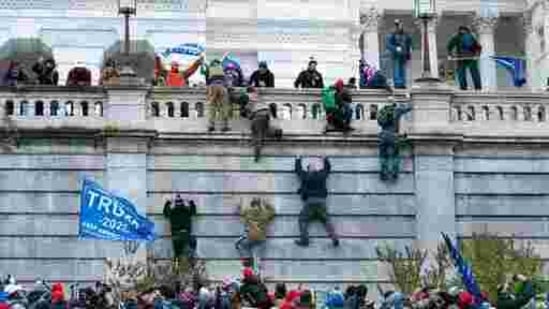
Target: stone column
column 529, row 45
column 369, row 23
column 432, row 36
column 485, row 27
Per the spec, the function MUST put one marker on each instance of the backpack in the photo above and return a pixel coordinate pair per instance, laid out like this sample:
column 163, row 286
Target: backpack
column 328, row 99
column 468, row 43
column 216, row 70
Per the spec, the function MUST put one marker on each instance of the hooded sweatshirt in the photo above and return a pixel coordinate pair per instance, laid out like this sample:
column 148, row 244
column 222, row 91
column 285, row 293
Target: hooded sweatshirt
column 79, row 76
column 47, row 74
column 265, row 79
column 313, row 183
column 257, row 218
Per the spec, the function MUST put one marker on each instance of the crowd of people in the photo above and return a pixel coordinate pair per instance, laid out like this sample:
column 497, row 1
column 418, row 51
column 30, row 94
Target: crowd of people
column 249, row 291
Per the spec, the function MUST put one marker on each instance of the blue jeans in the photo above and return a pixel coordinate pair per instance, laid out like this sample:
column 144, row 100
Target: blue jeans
column 399, row 72
column 347, row 112
column 250, row 248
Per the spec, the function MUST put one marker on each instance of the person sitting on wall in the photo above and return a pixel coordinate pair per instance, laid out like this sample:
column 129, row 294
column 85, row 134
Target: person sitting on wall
column 388, row 119
column 180, row 216
column 110, row 74
column 256, row 218
column 467, row 51
column 262, row 77
column 370, row 78
column 310, row 78
column 45, row 69
column 177, row 78
column 351, row 84
column 313, row 193
column 217, row 95
column 79, row 76
column 260, row 115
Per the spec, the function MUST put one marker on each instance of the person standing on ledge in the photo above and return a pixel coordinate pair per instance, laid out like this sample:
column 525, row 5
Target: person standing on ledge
column 313, row 192
column 467, row 52
column 310, row 78
column 217, row 95
column 399, row 45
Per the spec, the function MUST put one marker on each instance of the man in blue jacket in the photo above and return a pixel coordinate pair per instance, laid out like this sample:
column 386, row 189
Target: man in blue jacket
column 399, row 45
column 313, row 192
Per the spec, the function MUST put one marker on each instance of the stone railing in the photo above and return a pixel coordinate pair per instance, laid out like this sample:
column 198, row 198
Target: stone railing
column 41, row 102
column 500, row 106
column 165, row 110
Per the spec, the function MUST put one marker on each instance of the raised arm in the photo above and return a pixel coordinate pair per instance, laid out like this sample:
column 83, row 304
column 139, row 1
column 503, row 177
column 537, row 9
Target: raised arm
column 402, row 109
column 193, row 207
column 192, row 69
column 327, row 166
column 269, row 212
column 299, row 168
column 167, row 209
column 451, row 45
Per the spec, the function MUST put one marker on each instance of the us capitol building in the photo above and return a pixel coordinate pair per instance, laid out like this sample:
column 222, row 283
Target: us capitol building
column 286, row 33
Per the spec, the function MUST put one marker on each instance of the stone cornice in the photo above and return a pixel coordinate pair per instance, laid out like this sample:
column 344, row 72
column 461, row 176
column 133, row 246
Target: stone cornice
column 485, row 25
column 370, row 19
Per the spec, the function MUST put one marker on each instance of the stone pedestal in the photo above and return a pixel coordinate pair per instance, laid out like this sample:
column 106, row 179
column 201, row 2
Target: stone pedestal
column 369, row 22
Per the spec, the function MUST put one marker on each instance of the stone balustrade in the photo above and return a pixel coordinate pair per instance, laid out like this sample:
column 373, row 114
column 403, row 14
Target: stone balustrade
column 297, row 111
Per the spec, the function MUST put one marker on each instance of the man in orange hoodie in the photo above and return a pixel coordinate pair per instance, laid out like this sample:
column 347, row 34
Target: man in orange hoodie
column 176, row 78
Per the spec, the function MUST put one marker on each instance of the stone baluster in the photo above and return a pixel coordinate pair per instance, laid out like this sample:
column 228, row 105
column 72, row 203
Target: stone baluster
column 485, row 27
column 369, row 23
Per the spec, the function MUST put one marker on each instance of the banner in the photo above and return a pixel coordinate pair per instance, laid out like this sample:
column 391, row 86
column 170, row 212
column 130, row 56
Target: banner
column 464, row 270
column 515, row 66
column 106, row 216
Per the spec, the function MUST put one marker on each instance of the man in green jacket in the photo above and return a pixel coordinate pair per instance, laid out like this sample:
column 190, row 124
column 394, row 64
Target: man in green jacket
column 467, row 51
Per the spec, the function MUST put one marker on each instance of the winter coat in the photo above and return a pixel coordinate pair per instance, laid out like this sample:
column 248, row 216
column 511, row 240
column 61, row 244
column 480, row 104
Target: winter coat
column 257, row 219
column 180, row 216
column 262, row 80
column 520, row 299
column 110, row 76
column 15, row 75
column 252, row 291
column 309, row 79
column 389, row 116
column 178, row 78
column 47, row 74
column 214, row 74
column 313, row 183
column 466, row 45
column 378, row 81
column 79, row 76
column 399, row 44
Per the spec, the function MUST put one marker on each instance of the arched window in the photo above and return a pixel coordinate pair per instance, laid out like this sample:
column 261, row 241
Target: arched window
column 486, row 112
column 184, row 110
column 274, row 110
column 301, row 111
column 514, row 113
column 39, row 108
column 69, row 109
column 24, row 108
column 499, row 111
column 155, row 109
column 10, row 106
column 85, row 108
column 199, row 107
column 373, row 112
column 98, row 109
column 54, row 108
column 316, row 111
column 286, row 111
column 171, row 109
column 527, row 113
column 541, row 113
column 470, row 113
column 359, row 112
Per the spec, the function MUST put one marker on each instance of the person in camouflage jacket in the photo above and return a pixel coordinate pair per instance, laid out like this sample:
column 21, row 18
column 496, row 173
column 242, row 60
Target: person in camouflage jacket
column 256, row 217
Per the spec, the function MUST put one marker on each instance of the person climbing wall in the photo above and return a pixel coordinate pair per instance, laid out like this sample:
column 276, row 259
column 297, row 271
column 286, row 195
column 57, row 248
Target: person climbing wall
column 180, row 216
column 388, row 119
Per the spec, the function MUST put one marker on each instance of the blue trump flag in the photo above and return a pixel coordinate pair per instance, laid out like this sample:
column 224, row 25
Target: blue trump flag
column 191, row 49
column 106, row 216
column 515, row 66
column 464, row 270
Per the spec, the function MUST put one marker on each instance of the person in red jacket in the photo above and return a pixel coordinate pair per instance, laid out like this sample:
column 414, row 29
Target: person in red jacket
column 58, row 297
column 177, row 78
